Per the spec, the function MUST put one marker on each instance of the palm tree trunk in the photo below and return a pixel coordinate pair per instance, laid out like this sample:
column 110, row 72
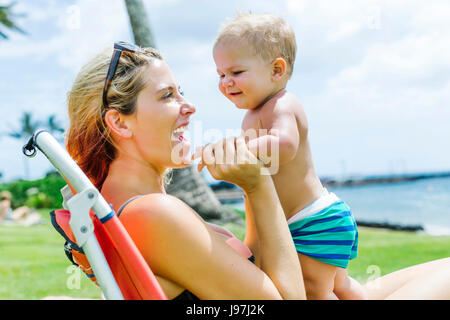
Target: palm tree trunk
column 139, row 23
column 186, row 183
column 189, row 186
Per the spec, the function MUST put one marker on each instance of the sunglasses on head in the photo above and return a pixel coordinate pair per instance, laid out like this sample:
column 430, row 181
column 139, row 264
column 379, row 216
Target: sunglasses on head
column 119, row 47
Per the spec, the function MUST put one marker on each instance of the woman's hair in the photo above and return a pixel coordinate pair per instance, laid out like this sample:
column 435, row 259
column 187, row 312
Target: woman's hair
column 5, row 195
column 267, row 35
column 88, row 139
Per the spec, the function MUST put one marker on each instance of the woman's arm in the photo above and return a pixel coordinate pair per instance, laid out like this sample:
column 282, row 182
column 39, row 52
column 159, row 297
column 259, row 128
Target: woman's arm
column 180, row 247
column 251, row 235
column 270, row 238
column 275, row 250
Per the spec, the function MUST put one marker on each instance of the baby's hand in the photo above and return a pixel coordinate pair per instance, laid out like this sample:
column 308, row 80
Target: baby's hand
column 230, row 160
column 198, row 154
column 253, row 147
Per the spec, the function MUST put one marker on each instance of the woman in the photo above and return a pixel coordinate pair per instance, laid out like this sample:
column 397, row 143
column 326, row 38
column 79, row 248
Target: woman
column 126, row 142
column 8, row 214
column 127, row 131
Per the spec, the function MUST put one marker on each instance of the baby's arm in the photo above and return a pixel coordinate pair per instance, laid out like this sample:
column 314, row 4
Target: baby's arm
column 280, row 141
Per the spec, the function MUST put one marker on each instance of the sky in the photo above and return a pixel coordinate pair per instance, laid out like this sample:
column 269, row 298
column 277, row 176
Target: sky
column 372, row 76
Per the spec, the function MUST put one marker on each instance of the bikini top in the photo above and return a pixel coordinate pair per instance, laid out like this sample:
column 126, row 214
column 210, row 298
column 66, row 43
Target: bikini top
column 233, row 242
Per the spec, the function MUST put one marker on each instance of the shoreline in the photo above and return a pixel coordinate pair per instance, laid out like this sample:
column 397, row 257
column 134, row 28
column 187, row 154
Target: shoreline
column 381, row 179
column 432, row 230
column 230, row 195
column 390, row 226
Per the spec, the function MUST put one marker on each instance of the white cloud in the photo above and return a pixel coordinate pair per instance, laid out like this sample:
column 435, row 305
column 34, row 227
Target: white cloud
column 343, row 30
column 372, row 76
column 77, row 31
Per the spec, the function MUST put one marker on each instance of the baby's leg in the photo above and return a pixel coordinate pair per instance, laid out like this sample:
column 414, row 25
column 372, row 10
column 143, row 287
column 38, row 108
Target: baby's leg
column 347, row 288
column 318, row 277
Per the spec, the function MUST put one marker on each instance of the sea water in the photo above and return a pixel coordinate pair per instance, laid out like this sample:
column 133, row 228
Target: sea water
column 423, row 202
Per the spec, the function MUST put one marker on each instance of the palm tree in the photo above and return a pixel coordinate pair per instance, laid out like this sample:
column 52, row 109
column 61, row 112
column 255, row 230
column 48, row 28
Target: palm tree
column 53, row 126
column 5, row 20
column 27, row 128
column 139, row 23
column 186, row 183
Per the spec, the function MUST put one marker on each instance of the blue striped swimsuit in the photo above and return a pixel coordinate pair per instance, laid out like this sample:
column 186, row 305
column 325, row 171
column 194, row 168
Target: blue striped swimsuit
column 326, row 231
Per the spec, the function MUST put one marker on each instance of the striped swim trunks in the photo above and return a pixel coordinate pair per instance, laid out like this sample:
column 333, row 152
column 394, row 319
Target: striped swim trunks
column 326, row 231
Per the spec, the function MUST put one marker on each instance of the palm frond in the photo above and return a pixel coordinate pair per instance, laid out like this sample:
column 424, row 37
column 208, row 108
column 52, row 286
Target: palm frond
column 53, row 125
column 6, row 20
column 26, row 128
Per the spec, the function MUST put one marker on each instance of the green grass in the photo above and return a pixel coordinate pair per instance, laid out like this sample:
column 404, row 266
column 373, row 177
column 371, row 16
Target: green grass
column 33, row 264
column 386, row 251
column 383, row 251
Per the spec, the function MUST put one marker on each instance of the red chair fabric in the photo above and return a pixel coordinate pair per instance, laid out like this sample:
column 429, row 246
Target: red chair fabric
column 133, row 275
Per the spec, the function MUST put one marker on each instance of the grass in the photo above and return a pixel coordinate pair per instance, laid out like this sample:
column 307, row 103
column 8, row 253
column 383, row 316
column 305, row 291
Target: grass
column 381, row 251
column 33, row 264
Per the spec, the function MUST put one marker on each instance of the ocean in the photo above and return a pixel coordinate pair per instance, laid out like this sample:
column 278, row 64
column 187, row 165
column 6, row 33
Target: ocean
column 423, row 202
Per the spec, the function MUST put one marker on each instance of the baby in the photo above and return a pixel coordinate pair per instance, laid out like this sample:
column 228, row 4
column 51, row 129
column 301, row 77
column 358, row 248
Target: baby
column 254, row 56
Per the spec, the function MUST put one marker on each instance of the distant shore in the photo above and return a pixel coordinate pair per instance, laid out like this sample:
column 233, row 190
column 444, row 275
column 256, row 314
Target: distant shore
column 364, row 180
column 229, row 194
column 390, row 226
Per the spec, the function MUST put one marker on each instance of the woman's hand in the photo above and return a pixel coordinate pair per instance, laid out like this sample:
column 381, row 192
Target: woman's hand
column 231, row 160
column 270, row 241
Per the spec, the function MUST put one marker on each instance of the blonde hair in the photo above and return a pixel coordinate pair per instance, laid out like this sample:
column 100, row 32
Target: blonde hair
column 5, row 195
column 267, row 35
column 88, row 138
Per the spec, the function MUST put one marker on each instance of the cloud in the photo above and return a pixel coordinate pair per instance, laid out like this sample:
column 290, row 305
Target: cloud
column 405, row 74
column 374, row 83
column 372, row 76
column 74, row 31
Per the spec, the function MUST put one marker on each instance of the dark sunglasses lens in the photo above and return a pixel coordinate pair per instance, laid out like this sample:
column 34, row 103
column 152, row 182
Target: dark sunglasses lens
column 118, row 48
column 127, row 46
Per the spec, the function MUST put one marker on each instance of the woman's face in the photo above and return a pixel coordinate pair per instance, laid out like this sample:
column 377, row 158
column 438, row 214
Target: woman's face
column 161, row 119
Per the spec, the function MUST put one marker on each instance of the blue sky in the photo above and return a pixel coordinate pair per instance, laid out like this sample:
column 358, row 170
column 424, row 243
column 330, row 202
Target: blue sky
column 373, row 76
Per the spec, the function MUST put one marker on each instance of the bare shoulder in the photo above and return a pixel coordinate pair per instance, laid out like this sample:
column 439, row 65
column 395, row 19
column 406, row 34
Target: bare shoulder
column 156, row 213
column 282, row 110
column 290, row 104
column 158, row 202
column 182, row 249
column 285, row 103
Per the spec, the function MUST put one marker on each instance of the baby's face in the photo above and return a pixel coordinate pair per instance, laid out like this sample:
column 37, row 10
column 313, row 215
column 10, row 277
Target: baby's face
column 245, row 79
